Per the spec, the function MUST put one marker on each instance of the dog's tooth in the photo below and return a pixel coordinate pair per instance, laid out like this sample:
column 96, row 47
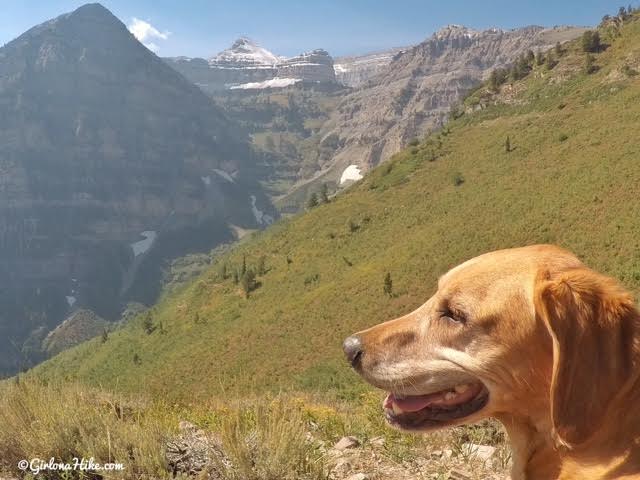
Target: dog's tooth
column 396, row 409
column 449, row 396
column 462, row 388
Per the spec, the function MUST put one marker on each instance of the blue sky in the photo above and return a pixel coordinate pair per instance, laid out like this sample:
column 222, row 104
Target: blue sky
column 287, row 27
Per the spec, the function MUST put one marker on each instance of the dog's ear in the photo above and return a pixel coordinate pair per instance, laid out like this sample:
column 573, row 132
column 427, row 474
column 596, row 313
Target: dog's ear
column 593, row 325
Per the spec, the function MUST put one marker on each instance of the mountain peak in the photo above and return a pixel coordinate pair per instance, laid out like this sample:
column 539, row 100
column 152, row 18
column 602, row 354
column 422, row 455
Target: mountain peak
column 91, row 8
column 90, row 12
column 455, row 30
column 244, row 52
column 243, row 42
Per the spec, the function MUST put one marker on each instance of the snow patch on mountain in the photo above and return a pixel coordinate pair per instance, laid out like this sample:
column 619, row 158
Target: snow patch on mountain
column 351, row 173
column 224, row 175
column 261, row 217
column 142, row 246
column 273, row 83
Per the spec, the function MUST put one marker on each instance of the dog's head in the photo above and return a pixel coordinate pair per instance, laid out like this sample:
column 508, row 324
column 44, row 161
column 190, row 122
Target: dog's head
column 519, row 332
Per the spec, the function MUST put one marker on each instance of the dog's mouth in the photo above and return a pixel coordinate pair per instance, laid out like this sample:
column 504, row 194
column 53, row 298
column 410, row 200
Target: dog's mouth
column 435, row 410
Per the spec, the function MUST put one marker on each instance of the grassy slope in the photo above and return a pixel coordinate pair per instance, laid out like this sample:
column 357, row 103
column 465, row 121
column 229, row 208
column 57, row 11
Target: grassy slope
column 581, row 192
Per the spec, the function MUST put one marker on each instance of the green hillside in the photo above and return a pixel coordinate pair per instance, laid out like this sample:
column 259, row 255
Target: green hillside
column 570, row 177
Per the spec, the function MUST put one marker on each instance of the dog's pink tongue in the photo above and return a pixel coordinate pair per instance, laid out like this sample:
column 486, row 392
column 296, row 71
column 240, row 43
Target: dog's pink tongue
column 414, row 403
column 444, row 398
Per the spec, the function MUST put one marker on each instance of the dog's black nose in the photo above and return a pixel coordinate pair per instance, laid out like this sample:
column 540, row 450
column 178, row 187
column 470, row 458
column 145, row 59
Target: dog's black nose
column 352, row 347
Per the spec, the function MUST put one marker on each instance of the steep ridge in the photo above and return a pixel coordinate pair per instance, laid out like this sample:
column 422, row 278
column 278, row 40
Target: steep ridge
column 570, row 177
column 111, row 163
column 415, row 92
column 355, row 71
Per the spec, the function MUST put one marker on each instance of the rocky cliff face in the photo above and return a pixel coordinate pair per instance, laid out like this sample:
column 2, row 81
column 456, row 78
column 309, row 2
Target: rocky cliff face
column 315, row 66
column 415, row 92
column 80, row 326
column 246, row 65
column 356, row 71
column 109, row 158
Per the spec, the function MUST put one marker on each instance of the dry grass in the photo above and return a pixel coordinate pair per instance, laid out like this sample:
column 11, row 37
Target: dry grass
column 269, row 441
column 275, row 438
column 69, row 421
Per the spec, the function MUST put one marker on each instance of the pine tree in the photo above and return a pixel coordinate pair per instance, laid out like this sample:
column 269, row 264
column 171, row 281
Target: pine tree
column 622, row 13
column 591, row 41
column 147, row 324
column 494, row 83
column 313, row 201
column 539, row 58
column 507, row 145
column 248, row 282
column 530, row 57
column 105, row 336
column 514, row 72
column 236, row 277
column 243, row 270
column 136, row 359
column 388, row 284
column 324, row 193
column 223, row 271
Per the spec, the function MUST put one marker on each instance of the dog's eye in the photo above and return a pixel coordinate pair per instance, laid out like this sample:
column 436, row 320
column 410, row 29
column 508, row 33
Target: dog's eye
column 452, row 316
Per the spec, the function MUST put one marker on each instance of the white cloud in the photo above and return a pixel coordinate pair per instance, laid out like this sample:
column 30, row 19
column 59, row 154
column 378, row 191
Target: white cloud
column 145, row 32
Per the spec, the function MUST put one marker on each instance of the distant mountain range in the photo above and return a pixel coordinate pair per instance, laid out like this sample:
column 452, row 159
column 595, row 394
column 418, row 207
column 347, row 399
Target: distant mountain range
column 246, row 65
column 387, row 98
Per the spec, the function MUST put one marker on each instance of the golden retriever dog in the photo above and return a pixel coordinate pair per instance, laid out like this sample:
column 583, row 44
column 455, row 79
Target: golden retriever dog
column 529, row 336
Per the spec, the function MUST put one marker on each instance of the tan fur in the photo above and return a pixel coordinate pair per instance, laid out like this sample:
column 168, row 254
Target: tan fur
column 556, row 344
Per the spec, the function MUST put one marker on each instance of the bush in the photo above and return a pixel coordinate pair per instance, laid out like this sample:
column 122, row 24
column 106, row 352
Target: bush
column 563, row 137
column 558, row 49
column 458, row 179
column 589, row 64
column 551, row 60
column 414, row 142
column 147, row 324
column 507, row 145
column 497, row 78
